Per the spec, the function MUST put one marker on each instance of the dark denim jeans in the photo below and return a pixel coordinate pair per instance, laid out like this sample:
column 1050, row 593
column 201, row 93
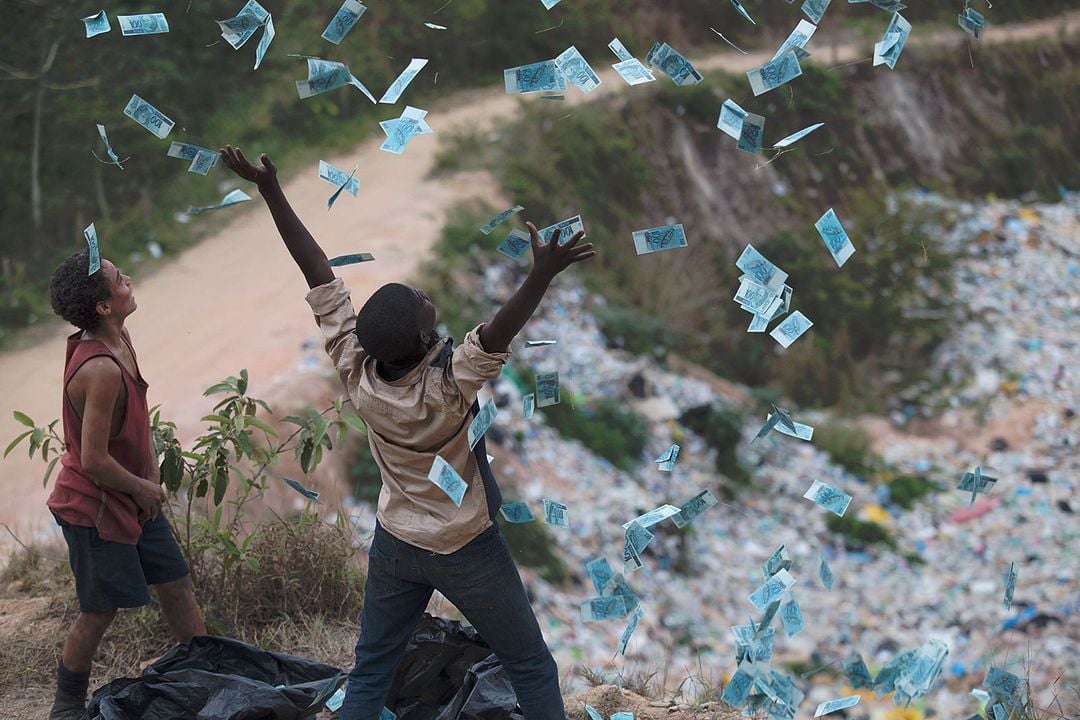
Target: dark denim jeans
column 482, row 581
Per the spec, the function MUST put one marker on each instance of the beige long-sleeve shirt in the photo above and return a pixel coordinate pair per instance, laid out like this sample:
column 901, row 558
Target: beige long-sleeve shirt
column 411, row 420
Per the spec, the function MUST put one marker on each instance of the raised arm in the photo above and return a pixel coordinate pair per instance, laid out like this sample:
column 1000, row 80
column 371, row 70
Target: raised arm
column 301, row 245
column 548, row 261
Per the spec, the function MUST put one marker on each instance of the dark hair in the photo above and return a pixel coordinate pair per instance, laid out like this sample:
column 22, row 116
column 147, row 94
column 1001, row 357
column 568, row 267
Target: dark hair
column 388, row 326
column 75, row 294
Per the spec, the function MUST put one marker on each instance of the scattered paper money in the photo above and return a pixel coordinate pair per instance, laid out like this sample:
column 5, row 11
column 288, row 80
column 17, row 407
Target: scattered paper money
column 766, row 619
column 887, row 52
column 1010, row 585
column 753, row 128
column 90, row 234
column 352, row 259
column 624, row 640
column 398, row 86
column 577, row 71
column 798, row 38
column 693, row 507
column 539, row 343
column 742, row 11
column 234, row 197
column 236, row 31
column 309, row 494
column 447, row 479
column 548, row 4
column 499, row 219
column 771, row 590
column 635, row 540
column 338, row 178
column 779, row 560
column 972, row 22
column 591, row 711
column 835, row 237
column 528, row 405
column 665, row 237
column 795, row 137
column 326, row 75
column 203, row 162
column 814, row 9
column 480, row 424
column 148, row 24
column 517, row 512
column 108, row 147
column 831, row 706
column 669, row 61
column 857, row 672
column 97, row 24
column 555, row 514
column 620, row 50
column 343, row 21
column 654, row 516
column 825, row 573
column 264, row 41
column 599, row 571
column 759, row 268
column 149, row 117
column 800, row 431
column 666, row 460
column 828, row 497
column 773, row 74
column 538, row 77
column 792, row 618
column 336, row 700
column 633, row 72
column 547, row 389
column 515, row 245
column 603, row 608
column 738, row 688
column 917, row 678
column 433, row 26
column 976, row 483
column 791, row 329
column 731, row 119
column 399, row 132
column 567, row 229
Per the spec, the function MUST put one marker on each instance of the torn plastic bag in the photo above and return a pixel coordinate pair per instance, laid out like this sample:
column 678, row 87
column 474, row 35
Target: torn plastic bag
column 449, row 673
column 213, row 678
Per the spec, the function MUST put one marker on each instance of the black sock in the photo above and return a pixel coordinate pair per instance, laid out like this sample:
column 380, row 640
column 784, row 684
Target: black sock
column 74, row 684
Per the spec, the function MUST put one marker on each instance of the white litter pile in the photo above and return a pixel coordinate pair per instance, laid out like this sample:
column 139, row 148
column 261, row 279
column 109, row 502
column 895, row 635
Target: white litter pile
column 1019, row 277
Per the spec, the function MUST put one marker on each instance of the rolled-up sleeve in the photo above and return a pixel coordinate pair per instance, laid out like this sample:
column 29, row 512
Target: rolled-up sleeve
column 473, row 365
column 335, row 316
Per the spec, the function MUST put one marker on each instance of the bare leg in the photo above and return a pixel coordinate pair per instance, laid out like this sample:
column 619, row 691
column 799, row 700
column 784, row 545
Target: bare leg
column 83, row 639
column 178, row 606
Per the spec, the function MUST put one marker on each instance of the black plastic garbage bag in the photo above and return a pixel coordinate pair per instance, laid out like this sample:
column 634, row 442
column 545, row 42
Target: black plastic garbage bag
column 449, row 673
column 214, row 678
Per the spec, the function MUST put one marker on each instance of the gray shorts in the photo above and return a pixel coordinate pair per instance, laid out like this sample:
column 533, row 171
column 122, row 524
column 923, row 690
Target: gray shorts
column 111, row 575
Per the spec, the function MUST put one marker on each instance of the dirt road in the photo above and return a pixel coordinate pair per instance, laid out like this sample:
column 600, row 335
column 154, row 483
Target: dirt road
column 236, row 300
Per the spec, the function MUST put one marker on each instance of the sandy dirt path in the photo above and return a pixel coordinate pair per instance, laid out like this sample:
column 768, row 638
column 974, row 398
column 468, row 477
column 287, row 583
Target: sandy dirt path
column 236, row 300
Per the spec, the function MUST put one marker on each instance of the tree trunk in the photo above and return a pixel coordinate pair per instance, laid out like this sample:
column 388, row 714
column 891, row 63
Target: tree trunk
column 35, row 158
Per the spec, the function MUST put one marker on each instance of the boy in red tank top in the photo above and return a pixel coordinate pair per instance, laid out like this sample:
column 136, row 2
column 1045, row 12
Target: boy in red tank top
column 108, row 497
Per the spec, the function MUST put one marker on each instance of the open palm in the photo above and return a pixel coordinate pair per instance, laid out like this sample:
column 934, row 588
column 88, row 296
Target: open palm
column 259, row 174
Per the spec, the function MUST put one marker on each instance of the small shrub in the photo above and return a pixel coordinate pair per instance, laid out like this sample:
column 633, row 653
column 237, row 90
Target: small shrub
column 906, row 489
column 859, row 534
column 531, row 545
column 605, row 427
column 846, row 446
column 721, row 428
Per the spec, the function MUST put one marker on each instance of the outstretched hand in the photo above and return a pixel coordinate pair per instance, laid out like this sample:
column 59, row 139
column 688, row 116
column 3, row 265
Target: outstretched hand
column 550, row 259
column 261, row 175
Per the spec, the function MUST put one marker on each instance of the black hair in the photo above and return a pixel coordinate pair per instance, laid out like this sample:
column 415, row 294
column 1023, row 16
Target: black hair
column 74, row 294
column 388, row 326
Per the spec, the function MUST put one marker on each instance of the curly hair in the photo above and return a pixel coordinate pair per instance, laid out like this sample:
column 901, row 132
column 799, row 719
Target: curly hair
column 387, row 325
column 75, row 295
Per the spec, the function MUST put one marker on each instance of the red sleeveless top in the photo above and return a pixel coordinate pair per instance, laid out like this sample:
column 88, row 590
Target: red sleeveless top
column 78, row 500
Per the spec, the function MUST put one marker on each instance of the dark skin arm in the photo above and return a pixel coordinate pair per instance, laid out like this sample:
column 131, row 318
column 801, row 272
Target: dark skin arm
column 301, row 245
column 99, row 381
column 548, row 261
